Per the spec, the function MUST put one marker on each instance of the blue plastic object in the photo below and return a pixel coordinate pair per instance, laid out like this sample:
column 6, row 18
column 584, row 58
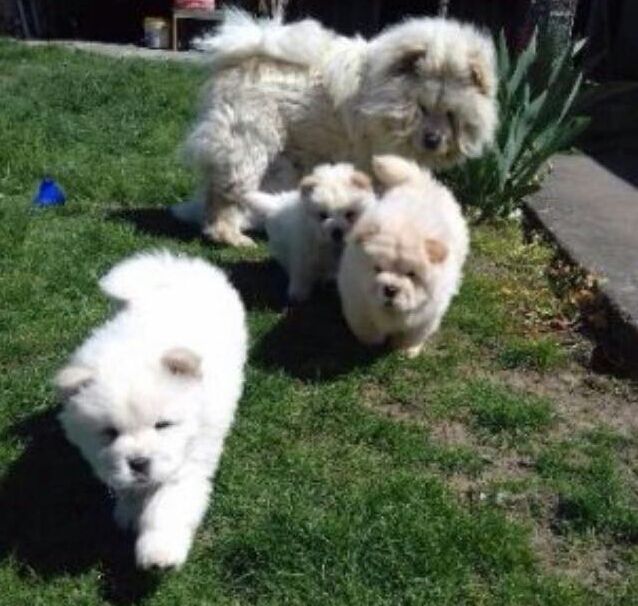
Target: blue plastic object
column 49, row 194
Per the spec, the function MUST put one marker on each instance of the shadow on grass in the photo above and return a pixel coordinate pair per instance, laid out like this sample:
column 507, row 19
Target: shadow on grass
column 55, row 518
column 157, row 222
column 261, row 284
column 312, row 342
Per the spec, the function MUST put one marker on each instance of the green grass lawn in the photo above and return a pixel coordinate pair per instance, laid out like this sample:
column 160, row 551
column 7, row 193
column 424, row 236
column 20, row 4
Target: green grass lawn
column 494, row 469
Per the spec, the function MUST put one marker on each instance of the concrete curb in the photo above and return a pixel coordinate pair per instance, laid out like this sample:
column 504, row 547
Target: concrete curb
column 125, row 51
column 592, row 216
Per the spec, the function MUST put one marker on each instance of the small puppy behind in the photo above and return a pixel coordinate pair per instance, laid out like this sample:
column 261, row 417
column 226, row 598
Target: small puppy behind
column 151, row 395
column 403, row 261
column 306, row 227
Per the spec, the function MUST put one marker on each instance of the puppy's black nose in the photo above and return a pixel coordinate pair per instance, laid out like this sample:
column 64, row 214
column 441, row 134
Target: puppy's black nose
column 337, row 235
column 390, row 291
column 139, row 465
column 431, row 140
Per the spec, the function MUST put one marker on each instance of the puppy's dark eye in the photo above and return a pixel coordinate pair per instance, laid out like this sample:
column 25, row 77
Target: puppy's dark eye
column 110, row 433
column 411, row 275
column 323, row 215
column 424, row 110
column 351, row 215
column 163, row 425
column 377, row 269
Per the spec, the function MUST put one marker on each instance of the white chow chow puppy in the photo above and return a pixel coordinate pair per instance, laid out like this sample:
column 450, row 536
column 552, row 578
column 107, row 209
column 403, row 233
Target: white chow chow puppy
column 151, row 395
column 306, row 227
column 284, row 98
column 403, row 260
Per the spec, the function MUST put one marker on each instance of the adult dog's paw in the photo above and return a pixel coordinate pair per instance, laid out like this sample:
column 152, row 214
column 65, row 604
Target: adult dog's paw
column 222, row 234
column 158, row 549
column 414, row 351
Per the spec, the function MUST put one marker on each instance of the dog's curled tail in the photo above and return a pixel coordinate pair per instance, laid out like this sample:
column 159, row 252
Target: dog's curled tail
column 394, row 170
column 241, row 36
column 265, row 204
column 158, row 273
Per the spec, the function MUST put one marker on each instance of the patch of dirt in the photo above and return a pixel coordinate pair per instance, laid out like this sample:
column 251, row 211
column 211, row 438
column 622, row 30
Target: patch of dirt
column 597, row 565
column 583, row 400
column 452, row 433
column 374, row 397
column 591, row 561
column 500, row 468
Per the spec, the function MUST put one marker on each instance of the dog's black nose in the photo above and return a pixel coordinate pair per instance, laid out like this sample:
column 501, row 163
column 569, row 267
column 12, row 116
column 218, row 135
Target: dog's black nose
column 390, row 291
column 140, row 465
column 337, row 235
column 431, row 140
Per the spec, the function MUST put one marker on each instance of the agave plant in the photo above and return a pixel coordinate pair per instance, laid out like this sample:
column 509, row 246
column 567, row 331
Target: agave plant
column 274, row 8
column 537, row 91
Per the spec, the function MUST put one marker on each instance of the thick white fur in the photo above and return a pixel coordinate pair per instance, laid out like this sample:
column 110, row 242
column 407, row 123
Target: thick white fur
column 174, row 355
column 301, row 95
column 306, row 227
column 242, row 36
column 414, row 242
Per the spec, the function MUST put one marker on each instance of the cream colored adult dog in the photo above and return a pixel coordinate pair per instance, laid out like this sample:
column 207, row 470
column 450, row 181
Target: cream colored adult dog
column 284, row 98
column 403, row 260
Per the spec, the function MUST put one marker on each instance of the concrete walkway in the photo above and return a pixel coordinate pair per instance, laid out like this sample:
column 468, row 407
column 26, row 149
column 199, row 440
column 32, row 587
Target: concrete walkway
column 125, row 50
column 592, row 214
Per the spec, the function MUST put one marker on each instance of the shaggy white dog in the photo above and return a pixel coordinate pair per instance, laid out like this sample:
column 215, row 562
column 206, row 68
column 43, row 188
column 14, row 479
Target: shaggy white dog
column 306, row 227
column 151, row 395
column 403, row 260
column 284, row 98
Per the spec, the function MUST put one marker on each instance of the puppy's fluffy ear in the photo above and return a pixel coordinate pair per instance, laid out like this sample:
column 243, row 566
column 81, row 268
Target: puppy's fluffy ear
column 72, row 378
column 435, row 250
column 364, row 230
column 182, row 362
column 480, row 76
column 361, row 180
column 394, row 170
column 307, row 185
column 407, row 63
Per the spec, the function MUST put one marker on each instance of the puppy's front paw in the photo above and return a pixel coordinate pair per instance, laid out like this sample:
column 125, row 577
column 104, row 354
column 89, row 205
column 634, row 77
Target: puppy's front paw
column 244, row 240
column 157, row 549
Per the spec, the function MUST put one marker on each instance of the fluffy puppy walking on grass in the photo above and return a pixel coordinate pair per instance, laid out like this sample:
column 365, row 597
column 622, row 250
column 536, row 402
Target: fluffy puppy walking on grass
column 403, row 260
column 151, row 395
column 306, row 227
column 284, row 98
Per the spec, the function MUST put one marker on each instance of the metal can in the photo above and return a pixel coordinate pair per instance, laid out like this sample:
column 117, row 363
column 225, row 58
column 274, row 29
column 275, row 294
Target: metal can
column 156, row 32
